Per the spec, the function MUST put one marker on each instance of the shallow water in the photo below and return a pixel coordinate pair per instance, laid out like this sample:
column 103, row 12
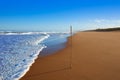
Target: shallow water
column 18, row 51
column 54, row 43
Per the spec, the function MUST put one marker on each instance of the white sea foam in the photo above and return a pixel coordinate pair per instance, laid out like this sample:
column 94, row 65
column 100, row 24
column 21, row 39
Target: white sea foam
column 18, row 53
column 28, row 33
column 19, row 33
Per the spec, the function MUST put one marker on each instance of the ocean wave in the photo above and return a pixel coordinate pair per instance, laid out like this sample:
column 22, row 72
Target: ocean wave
column 28, row 33
column 20, row 33
column 18, row 53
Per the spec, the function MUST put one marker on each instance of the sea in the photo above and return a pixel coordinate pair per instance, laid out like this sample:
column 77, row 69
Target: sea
column 18, row 50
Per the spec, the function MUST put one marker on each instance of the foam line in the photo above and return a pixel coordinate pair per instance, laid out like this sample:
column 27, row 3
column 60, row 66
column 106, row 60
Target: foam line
column 18, row 53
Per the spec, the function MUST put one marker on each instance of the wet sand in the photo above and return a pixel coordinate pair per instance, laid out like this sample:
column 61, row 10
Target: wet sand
column 91, row 56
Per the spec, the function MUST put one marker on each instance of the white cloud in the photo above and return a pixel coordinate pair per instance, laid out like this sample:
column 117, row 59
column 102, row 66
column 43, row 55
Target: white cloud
column 106, row 21
column 99, row 20
column 101, row 23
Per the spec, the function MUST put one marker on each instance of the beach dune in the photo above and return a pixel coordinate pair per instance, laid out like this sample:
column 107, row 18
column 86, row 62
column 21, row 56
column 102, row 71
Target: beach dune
column 91, row 56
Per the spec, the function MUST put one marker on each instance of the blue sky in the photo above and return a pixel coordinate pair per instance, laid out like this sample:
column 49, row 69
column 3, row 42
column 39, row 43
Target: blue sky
column 58, row 15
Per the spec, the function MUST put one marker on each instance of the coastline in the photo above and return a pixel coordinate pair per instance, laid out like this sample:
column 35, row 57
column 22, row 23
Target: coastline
column 95, row 56
column 54, row 44
column 50, row 55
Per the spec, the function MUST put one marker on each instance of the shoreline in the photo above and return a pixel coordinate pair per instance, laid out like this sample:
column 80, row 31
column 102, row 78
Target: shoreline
column 54, row 44
column 54, row 53
column 95, row 56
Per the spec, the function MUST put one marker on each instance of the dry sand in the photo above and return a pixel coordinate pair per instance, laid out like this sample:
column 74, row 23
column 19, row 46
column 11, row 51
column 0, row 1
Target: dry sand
column 95, row 56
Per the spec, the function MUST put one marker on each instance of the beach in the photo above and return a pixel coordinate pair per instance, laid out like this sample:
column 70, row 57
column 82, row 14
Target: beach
column 87, row 56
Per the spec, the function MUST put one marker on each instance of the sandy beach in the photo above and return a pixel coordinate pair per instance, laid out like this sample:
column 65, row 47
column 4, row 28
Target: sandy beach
column 91, row 56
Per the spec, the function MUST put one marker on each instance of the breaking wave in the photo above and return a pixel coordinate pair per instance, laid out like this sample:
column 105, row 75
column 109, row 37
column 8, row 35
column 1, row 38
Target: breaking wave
column 18, row 52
